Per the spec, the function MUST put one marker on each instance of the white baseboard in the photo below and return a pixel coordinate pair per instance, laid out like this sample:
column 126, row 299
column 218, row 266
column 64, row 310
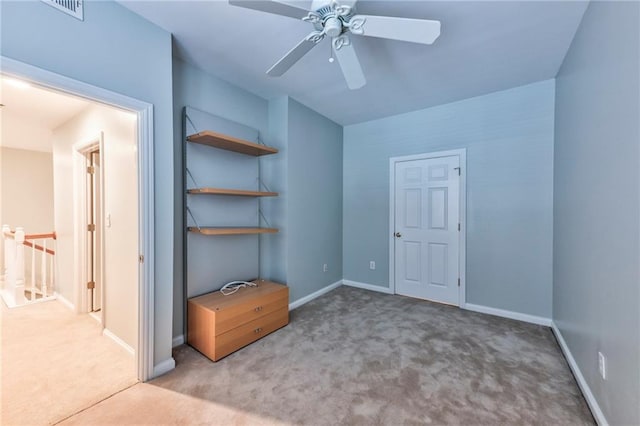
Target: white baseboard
column 582, row 383
column 366, row 286
column 163, row 367
column 508, row 314
column 177, row 341
column 314, row 295
column 65, row 301
column 119, row 341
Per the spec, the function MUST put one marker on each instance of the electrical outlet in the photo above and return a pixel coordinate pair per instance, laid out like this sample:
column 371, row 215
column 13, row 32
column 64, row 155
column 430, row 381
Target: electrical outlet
column 372, row 265
column 602, row 365
column 325, row 267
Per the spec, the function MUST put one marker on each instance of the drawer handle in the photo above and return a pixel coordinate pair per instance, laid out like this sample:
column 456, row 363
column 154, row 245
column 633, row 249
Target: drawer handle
column 257, row 330
column 258, row 309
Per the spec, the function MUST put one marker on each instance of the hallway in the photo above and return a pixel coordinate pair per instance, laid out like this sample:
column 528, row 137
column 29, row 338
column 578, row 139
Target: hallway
column 55, row 363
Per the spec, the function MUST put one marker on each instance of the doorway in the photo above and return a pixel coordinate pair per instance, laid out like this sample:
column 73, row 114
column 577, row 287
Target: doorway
column 144, row 199
column 48, row 347
column 94, row 231
column 427, row 224
column 88, row 199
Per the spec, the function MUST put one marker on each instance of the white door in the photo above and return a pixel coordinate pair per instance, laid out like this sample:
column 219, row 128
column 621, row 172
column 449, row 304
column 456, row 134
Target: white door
column 94, row 234
column 97, row 246
column 427, row 236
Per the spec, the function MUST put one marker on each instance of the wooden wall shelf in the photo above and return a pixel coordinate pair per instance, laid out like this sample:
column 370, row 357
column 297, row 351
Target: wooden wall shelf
column 235, row 192
column 231, row 231
column 229, row 143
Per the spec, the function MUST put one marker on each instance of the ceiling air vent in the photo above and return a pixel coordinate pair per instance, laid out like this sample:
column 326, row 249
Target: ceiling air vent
column 70, row 7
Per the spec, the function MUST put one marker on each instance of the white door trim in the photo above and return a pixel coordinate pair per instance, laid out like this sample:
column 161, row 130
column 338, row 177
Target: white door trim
column 462, row 154
column 144, row 111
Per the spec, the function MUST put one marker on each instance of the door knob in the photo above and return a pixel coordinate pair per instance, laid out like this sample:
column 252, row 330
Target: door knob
column 398, row 235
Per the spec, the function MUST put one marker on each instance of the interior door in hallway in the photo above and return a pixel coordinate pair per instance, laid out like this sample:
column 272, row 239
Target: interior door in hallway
column 427, row 228
column 94, row 240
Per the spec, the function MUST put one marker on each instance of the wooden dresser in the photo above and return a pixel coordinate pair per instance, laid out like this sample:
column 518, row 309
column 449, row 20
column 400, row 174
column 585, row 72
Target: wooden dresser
column 218, row 325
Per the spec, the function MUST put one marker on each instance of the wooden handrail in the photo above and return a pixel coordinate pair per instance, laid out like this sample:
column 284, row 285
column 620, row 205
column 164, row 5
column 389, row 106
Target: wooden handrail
column 38, row 247
column 51, row 235
column 40, row 236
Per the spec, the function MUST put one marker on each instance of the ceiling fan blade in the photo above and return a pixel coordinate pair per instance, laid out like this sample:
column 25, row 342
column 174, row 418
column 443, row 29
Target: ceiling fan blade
column 272, row 6
column 350, row 65
column 349, row 3
column 293, row 56
column 403, row 29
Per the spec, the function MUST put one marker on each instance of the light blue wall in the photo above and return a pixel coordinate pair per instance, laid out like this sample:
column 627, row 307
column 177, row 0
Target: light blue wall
column 596, row 294
column 197, row 89
column 117, row 50
column 314, row 201
column 509, row 141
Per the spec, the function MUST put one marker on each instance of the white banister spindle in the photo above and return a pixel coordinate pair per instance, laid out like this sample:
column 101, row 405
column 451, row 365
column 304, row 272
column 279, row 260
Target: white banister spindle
column 6, row 241
column 18, row 293
column 33, row 275
column 44, row 268
column 10, row 250
column 52, row 274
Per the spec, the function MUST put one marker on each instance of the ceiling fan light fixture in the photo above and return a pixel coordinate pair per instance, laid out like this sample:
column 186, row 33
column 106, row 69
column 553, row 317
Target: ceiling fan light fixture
column 333, row 26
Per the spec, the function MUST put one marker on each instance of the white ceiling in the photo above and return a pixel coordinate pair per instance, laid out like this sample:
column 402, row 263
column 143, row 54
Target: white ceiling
column 484, row 47
column 40, row 105
column 30, row 113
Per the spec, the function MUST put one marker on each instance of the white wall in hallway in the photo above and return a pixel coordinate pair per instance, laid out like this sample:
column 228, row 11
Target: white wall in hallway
column 23, row 132
column 119, row 161
column 26, row 191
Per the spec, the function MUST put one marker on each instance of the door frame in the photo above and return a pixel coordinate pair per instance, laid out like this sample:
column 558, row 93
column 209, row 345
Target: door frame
column 146, row 235
column 80, row 223
column 462, row 261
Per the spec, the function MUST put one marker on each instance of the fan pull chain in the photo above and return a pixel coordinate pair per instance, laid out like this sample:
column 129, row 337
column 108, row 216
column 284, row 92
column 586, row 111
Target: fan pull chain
column 331, row 57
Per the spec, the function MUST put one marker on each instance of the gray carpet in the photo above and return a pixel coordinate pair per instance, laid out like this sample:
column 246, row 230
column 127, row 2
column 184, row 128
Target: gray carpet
column 359, row 357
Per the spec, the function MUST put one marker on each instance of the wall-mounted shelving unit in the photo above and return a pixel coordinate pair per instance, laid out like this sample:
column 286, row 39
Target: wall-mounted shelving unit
column 223, row 191
column 230, row 143
column 224, row 225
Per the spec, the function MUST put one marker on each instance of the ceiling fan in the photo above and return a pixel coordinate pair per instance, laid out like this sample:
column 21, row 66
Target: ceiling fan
column 338, row 20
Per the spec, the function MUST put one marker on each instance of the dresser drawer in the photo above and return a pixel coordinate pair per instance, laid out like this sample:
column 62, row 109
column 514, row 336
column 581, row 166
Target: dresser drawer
column 250, row 310
column 241, row 336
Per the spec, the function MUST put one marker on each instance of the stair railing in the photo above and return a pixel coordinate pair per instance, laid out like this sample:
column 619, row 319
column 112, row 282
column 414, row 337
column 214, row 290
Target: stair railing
column 41, row 282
